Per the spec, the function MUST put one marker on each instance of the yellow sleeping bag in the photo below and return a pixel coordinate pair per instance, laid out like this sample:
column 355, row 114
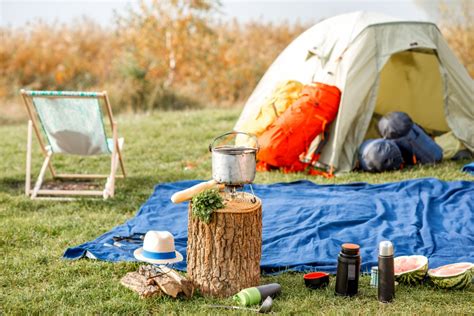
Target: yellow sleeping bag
column 281, row 98
column 450, row 145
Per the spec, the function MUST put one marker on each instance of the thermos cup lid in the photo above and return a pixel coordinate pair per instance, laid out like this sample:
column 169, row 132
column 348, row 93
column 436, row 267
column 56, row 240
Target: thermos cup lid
column 350, row 249
column 385, row 248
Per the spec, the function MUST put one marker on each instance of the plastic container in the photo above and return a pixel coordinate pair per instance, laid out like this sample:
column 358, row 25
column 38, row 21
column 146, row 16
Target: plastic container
column 348, row 269
column 316, row 280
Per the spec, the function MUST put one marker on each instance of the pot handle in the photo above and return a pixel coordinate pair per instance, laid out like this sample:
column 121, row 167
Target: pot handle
column 211, row 146
column 188, row 193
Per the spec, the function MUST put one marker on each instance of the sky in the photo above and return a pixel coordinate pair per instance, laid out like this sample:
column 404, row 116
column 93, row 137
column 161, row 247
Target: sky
column 19, row 12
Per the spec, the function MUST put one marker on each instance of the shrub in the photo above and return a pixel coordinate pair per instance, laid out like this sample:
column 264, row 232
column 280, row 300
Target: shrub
column 166, row 54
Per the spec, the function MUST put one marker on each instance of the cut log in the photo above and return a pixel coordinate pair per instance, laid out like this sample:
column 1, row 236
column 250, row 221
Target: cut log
column 168, row 280
column 186, row 286
column 151, row 280
column 138, row 283
column 223, row 256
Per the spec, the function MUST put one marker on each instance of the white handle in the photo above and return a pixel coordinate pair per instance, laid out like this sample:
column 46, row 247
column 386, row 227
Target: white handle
column 187, row 194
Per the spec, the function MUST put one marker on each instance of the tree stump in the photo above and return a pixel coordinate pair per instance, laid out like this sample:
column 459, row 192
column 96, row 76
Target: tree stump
column 223, row 256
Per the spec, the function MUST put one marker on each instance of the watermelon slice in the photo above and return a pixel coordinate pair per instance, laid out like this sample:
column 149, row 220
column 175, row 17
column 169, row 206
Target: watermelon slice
column 410, row 269
column 456, row 276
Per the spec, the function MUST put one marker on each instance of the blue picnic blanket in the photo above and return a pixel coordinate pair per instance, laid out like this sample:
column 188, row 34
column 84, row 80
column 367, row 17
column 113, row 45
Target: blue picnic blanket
column 469, row 168
column 304, row 224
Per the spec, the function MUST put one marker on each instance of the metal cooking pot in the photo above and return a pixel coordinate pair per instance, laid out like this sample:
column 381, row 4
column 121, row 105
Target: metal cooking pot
column 233, row 165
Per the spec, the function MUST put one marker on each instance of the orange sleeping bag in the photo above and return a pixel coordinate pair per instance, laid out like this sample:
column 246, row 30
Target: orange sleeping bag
column 292, row 133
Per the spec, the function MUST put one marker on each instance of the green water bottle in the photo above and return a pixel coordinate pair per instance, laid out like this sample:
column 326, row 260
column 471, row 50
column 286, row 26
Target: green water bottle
column 255, row 295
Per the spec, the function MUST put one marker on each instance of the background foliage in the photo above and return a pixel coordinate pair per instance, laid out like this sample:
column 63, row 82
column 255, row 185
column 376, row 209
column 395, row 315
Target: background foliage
column 168, row 54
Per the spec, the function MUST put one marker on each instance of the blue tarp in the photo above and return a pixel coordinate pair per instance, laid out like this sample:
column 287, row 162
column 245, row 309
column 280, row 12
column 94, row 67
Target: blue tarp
column 469, row 168
column 304, row 224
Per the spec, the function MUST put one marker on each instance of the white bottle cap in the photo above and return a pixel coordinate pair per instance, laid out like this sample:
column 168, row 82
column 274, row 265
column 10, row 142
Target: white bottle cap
column 385, row 248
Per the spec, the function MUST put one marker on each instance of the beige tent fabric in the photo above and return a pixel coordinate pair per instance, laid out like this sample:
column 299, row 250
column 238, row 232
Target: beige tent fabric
column 410, row 82
column 450, row 145
column 459, row 96
column 355, row 48
column 388, row 40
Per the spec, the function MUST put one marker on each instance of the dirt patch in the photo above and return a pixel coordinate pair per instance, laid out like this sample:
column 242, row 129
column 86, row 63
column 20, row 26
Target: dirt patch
column 71, row 185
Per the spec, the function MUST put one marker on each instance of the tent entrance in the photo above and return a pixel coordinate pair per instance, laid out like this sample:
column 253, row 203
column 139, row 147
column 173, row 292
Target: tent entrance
column 411, row 82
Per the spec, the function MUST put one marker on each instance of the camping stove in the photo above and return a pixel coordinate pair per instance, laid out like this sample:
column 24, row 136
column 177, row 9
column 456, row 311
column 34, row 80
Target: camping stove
column 235, row 192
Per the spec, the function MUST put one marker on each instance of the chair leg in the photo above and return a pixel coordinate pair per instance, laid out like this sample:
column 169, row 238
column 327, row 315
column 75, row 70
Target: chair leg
column 28, row 158
column 122, row 166
column 110, row 184
column 109, row 190
column 119, row 152
column 39, row 181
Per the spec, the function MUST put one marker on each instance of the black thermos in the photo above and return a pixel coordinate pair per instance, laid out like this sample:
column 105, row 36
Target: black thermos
column 386, row 286
column 348, row 267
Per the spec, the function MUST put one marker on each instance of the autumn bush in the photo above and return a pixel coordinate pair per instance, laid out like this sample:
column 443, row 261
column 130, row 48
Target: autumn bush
column 59, row 56
column 164, row 54
column 457, row 25
column 171, row 54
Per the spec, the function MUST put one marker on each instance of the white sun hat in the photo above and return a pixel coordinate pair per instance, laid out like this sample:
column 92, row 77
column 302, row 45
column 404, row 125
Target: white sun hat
column 158, row 248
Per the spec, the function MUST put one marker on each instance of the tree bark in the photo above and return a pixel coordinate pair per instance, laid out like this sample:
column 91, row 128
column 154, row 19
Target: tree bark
column 223, row 256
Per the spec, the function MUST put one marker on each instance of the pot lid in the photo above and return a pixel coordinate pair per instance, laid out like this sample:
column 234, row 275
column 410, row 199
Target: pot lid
column 234, row 150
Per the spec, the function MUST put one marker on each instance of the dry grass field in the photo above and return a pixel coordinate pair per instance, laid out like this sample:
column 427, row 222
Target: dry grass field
column 164, row 56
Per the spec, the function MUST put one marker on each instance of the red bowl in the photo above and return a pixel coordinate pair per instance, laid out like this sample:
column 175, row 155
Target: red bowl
column 316, row 280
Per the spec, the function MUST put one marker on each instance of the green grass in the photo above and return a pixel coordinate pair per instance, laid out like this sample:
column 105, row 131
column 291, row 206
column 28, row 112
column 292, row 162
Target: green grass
column 34, row 235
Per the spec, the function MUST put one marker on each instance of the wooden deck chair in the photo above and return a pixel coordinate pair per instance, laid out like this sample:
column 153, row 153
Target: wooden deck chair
column 71, row 123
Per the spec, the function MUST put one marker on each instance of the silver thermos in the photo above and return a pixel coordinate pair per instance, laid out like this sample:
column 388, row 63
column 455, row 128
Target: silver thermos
column 386, row 284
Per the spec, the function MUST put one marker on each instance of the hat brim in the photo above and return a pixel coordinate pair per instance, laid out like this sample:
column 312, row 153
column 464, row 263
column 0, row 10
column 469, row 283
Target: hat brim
column 138, row 254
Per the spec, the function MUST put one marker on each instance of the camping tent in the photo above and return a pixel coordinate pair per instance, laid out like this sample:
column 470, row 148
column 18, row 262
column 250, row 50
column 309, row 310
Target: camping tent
column 381, row 64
